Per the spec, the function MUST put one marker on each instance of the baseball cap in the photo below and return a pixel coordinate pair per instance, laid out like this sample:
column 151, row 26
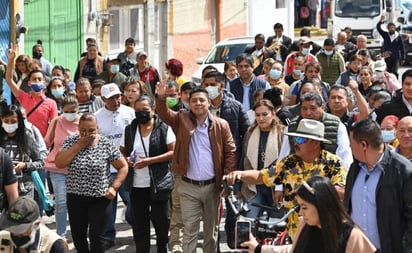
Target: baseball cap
column 141, row 53
column 379, row 65
column 304, row 40
column 20, row 216
column 114, row 59
column 109, row 90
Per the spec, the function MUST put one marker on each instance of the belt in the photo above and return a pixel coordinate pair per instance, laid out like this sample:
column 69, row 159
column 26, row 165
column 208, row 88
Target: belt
column 199, row 183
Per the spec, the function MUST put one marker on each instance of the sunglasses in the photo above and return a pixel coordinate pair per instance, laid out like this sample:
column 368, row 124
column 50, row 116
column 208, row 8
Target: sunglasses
column 300, row 140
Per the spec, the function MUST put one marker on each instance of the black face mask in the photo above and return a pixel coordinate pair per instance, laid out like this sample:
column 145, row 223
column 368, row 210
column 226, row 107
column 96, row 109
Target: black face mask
column 19, row 241
column 142, row 117
column 37, row 55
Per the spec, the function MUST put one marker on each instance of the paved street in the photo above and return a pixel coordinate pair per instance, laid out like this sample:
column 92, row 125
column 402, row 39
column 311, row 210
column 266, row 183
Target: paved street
column 124, row 240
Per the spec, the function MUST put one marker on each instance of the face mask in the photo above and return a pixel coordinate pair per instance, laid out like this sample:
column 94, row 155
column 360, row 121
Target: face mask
column 275, row 74
column 70, row 116
column 37, row 55
column 171, row 102
column 388, row 136
column 212, row 92
column 114, row 68
column 37, row 87
column 142, row 117
column 24, row 241
column 305, row 51
column 10, row 128
column 379, row 74
column 297, row 72
column 57, row 93
column 328, row 53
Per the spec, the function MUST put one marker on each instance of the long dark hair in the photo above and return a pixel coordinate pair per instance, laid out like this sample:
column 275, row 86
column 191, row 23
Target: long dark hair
column 8, row 110
column 320, row 192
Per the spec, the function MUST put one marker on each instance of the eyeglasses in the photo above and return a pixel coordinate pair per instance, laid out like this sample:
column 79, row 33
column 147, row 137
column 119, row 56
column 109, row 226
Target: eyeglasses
column 300, row 140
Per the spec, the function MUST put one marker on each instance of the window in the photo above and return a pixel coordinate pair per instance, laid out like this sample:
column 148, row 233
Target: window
column 127, row 22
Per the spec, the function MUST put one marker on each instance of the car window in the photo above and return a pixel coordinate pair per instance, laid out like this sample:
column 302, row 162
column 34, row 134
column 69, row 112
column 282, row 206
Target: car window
column 221, row 54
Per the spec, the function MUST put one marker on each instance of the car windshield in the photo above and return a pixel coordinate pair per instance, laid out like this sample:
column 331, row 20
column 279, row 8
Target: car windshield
column 357, row 8
column 222, row 54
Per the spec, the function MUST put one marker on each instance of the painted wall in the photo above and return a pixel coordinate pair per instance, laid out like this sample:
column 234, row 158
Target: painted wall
column 191, row 30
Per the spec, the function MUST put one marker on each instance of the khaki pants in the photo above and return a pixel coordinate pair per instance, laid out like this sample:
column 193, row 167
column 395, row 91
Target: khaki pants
column 199, row 202
column 176, row 223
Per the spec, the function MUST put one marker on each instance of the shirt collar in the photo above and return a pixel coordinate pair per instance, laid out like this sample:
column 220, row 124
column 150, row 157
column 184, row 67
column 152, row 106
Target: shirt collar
column 377, row 164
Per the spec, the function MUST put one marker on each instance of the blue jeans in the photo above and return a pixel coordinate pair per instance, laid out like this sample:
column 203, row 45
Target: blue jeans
column 110, row 233
column 263, row 196
column 60, row 199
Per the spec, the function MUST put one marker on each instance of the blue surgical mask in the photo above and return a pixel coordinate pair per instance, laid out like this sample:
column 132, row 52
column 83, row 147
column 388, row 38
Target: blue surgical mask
column 37, row 87
column 275, row 74
column 328, row 53
column 57, row 93
column 114, row 68
column 297, row 72
column 388, row 135
column 305, row 51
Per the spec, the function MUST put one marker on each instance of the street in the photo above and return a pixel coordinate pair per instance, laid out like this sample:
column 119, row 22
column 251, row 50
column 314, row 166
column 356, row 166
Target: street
column 124, row 239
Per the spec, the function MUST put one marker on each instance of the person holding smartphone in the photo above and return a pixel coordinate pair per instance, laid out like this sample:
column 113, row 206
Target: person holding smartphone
column 325, row 225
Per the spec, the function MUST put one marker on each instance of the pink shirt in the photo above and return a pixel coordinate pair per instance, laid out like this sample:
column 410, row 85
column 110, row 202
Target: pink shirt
column 64, row 128
column 43, row 114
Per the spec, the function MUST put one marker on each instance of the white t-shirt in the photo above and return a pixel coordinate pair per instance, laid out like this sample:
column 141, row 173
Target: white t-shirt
column 141, row 177
column 112, row 124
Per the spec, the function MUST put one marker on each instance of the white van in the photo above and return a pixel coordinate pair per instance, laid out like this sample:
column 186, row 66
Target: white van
column 225, row 50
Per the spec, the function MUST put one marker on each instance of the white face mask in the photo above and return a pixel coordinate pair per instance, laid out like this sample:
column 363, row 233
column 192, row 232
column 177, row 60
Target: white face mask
column 305, row 51
column 329, row 52
column 213, row 92
column 379, row 74
column 70, row 116
column 10, row 128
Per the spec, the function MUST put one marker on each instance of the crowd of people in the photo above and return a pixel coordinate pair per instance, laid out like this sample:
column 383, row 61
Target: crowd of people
column 326, row 127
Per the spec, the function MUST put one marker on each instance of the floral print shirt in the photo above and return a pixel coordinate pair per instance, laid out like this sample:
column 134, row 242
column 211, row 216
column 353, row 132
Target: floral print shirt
column 292, row 171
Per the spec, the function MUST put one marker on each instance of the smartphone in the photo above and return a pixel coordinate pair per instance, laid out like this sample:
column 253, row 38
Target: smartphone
column 242, row 233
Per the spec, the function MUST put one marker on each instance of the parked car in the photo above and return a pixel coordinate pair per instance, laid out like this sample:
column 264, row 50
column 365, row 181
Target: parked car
column 225, row 50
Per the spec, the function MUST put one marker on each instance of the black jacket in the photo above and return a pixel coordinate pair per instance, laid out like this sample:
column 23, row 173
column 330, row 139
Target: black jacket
column 159, row 172
column 394, row 107
column 232, row 111
column 393, row 201
column 286, row 41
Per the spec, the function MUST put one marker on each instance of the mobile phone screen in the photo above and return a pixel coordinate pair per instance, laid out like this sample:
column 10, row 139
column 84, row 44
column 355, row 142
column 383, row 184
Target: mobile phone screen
column 242, row 233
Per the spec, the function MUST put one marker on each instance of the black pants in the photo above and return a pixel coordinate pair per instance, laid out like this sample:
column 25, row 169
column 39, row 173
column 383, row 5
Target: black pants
column 143, row 211
column 88, row 214
column 392, row 65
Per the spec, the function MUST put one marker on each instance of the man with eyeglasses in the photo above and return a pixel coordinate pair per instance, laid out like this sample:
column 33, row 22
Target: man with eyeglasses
column 309, row 159
column 378, row 193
